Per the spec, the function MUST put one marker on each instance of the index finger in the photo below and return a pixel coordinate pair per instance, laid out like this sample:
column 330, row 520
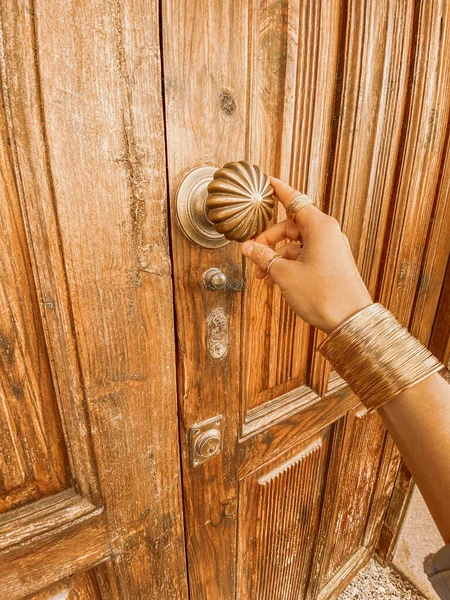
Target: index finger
column 308, row 218
column 280, row 231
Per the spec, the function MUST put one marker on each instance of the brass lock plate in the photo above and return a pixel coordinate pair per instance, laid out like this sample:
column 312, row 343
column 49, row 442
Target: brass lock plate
column 191, row 209
column 205, row 440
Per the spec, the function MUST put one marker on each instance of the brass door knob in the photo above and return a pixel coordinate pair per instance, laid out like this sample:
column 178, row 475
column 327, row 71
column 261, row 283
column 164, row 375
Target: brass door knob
column 215, row 206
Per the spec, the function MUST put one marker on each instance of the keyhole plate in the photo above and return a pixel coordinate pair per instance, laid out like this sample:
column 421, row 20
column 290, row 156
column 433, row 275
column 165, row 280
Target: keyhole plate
column 191, row 209
column 205, row 440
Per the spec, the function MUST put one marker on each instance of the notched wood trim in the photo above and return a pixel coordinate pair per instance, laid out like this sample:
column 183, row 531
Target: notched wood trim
column 48, row 540
column 312, row 447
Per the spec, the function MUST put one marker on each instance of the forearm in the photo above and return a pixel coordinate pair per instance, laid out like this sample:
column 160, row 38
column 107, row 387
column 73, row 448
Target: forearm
column 418, row 420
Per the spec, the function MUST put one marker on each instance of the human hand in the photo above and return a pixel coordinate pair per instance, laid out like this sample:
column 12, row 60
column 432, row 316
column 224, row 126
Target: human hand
column 319, row 278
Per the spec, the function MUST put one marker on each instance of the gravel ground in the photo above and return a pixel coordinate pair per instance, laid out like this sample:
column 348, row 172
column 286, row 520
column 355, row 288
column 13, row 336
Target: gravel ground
column 375, row 582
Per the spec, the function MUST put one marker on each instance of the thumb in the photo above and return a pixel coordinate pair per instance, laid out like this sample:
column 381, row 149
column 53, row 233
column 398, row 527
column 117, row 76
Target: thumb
column 261, row 256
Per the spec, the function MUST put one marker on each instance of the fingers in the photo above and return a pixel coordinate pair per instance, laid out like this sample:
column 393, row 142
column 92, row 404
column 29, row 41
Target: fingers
column 280, row 231
column 289, row 251
column 261, row 255
column 309, row 218
column 283, row 191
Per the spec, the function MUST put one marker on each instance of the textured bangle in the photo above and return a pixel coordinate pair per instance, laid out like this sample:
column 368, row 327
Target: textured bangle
column 377, row 356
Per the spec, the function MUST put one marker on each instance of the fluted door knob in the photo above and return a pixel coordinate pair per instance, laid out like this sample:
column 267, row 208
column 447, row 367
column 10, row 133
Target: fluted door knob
column 215, row 206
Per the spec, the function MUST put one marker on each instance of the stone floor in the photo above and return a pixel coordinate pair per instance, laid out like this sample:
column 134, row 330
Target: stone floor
column 375, row 582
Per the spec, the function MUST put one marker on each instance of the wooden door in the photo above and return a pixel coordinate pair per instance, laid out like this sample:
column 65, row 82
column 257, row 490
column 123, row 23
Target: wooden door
column 348, row 101
column 90, row 489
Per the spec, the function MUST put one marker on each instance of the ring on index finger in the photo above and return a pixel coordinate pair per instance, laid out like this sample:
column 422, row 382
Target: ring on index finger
column 271, row 261
column 296, row 205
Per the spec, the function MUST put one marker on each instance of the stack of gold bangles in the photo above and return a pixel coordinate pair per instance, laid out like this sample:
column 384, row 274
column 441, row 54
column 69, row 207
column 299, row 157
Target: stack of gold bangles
column 377, row 356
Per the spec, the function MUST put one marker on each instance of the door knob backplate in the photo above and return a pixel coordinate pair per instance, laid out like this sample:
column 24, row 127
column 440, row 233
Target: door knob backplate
column 205, row 440
column 215, row 206
column 191, row 209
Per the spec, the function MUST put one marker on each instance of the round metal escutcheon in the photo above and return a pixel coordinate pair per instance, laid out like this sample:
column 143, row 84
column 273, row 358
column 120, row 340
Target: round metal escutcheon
column 191, row 209
column 208, row 443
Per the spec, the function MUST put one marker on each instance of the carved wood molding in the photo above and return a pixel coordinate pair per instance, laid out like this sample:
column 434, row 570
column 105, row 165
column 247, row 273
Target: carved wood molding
column 47, row 540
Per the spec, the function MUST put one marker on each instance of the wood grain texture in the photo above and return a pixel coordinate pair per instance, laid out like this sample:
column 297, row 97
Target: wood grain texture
column 27, row 137
column 275, row 438
column 359, row 456
column 398, row 504
column 279, row 519
column 346, row 100
column 48, row 540
column 85, row 120
column 288, row 115
column 440, row 338
column 33, row 462
column 205, row 92
column 350, row 499
column 418, row 167
column 36, row 518
column 81, row 586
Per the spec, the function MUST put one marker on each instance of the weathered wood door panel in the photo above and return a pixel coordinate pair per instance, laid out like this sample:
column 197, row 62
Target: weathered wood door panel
column 90, row 480
column 348, row 102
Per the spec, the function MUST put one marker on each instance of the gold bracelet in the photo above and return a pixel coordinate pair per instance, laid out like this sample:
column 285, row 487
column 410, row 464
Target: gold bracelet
column 377, row 356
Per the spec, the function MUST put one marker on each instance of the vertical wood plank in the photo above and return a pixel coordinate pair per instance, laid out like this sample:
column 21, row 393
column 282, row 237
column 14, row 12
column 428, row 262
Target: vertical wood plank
column 440, row 338
column 26, row 134
column 205, row 75
column 33, row 461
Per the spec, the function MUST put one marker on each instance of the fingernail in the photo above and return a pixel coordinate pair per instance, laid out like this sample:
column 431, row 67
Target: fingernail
column 247, row 248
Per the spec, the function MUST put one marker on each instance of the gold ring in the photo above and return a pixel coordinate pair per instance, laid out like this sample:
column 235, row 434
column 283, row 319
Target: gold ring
column 296, row 205
column 271, row 261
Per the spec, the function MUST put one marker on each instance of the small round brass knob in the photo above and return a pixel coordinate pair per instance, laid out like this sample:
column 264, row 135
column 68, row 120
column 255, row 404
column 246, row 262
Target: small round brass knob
column 240, row 201
column 214, row 279
column 208, row 443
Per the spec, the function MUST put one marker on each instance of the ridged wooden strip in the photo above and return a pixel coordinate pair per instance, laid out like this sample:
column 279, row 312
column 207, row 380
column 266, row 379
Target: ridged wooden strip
column 391, row 46
column 435, row 257
column 279, row 516
column 306, row 142
column 301, row 75
column 423, row 143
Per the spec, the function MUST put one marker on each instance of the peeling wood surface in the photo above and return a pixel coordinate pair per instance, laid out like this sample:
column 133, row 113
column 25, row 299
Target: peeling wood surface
column 18, row 526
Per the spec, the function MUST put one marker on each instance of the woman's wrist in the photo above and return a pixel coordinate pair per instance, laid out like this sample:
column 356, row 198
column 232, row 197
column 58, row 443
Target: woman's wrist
column 344, row 315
